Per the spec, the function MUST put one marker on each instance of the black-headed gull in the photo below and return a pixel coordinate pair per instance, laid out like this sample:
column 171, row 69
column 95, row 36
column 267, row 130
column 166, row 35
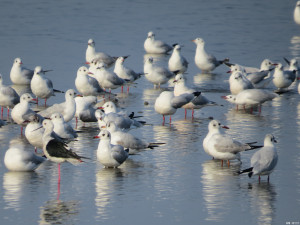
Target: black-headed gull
column 17, row 158
column 153, row 46
column 238, row 82
column 282, row 79
column 20, row 75
column 297, row 13
column 264, row 161
column 8, row 97
column 87, row 85
column 127, row 140
column 221, row 146
column 34, row 135
column 156, row 74
column 66, row 108
column 177, row 63
column 204, row 61
column 251, row 97
column 63, row 129
column 109, row 155
column 99, row 56
column 85, row 108
column 293, row 65
column 197, row 103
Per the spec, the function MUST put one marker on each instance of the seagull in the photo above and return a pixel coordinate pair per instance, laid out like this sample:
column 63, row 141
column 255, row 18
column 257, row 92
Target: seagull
column 153, row 46
column 167, row 104
column 197, row 103
column 99, row 56
column 108, row 80
column 63, row 129
column 297, row 13
column 87, row 85
column 67, row 108
column 238, row 82
column 18, row 159
column 41, row 86
column 20, row 75
column 22, row 111
column 203, row 60
column 8, row 97
column 292, row 65
column 221, row 146
column 266, row 64
column 283, row 78
column 33, row 135
column 155, row 74
column 251, row 97
column 127, row 140
column 55, row 149
column 264, row 161
column 177, row 63
column 109, row 155
column 85, row 108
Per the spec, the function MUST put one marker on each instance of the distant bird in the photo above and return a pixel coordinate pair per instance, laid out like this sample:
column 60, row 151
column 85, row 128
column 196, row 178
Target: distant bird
column 63, row 129
column 127, row 140
column 155, row 74
column 238, row 82
column 197, row 103
column 22, row 111
column 99, row 56
column 177, row 63
column 87, row 85
column 221, row 146
column 153, row 46
column 167, row 104
column 264, row 161
column 204, row 61
column 266, row 64
column 41, row 86
column 297, row 13
column 16, row 158
column 251, row 97
column 109, row 155
column 55, row 149
column 20, row 75
column 66, row 108
column 282, row 79
column 8, row 97
column 34, row 135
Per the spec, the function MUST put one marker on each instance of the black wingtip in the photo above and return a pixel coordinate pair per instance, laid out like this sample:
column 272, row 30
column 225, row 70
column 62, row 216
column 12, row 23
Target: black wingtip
column 287, row 61
column 197, row 93
column 250, row 174
column 127, row 150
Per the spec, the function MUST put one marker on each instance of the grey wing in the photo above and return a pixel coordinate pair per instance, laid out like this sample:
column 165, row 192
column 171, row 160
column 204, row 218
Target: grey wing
column 95, row 84
column 164, row 72
column 184, row 62
column 264, row 159
column 213, row 60
column 225, row 143
column 70, row 130
column 201, row 101
column 59, row 108
column 163, row 45
column 12, row 93
column 115, row 80
column 179, row 101
column 258, row 76
column 118, row 153
column 49, row 83
column 27, row 73
column 291, row 75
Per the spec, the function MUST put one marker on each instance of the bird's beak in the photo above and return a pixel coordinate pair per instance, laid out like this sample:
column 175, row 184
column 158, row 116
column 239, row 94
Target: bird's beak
column 225, row 127
column 103, row 127
column 79, row 95
column 224, row 97
column 100, row 107
column 95, row 137
column 90, row 73
column 229, row 71
column 174, row 81
column 37, row 128
column 88, row 63
column 193, row 40
column 45, row 71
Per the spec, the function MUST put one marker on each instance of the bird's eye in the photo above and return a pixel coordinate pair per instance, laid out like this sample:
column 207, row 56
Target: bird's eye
column 103, row 135
column 219, row 124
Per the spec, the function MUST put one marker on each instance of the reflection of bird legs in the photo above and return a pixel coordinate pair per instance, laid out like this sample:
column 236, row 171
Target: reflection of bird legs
column 58, row 182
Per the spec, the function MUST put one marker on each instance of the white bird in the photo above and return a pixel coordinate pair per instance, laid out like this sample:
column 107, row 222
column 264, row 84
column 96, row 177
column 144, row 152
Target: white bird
column 108, row 80
column 99, row 56
column 204, row 61
column 221, row 146
column 41, row 86
column 238, row 82
column 8, row 96
column 297, row 13
column 155, row 74
column 18, row 159
column 177, row 63
column 34, row 135
column 127, row 140
column 87, row 85
column 266, row 64
column 293, row 65
column 283, row 78
column 22, row 111
column 109, row 155
column 55, row 149
column 67, row 108
column 20, row 75
column 197, row 103
column 251, row 97
column 63, row 129
column 85, row 108
column 167, row 104
column 264, row 161
column 153, row 46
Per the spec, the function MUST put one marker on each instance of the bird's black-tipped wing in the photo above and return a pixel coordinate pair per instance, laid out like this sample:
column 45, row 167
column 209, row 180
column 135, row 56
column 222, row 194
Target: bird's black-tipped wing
column 59, row 150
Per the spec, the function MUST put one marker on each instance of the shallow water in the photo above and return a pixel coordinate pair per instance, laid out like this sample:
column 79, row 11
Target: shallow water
column 176, row 183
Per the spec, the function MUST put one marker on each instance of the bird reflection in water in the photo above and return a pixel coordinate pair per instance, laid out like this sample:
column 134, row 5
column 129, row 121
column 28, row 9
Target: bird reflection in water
column 59, row 212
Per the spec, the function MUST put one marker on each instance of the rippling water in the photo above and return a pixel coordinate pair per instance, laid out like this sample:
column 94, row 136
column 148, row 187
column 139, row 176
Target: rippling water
column 176, row 183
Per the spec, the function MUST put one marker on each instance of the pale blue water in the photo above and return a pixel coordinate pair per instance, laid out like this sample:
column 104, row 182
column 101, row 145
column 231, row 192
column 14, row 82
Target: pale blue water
column 176, row 183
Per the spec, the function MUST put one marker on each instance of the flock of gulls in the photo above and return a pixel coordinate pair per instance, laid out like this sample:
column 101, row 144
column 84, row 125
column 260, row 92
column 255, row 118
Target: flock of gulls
column 49, row 128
